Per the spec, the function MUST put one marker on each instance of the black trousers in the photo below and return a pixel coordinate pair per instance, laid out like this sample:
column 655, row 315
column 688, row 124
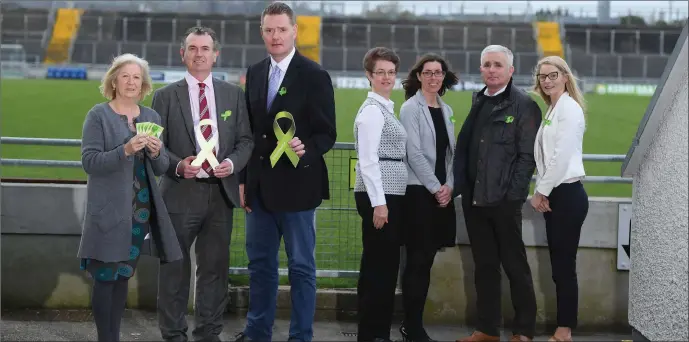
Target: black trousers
column 108, row 301
column 569, row 204
column 427, row 228
column 415, row 282
column 379, row 268
column 495, row 234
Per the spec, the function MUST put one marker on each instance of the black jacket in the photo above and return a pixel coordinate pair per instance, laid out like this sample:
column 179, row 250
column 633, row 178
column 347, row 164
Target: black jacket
column 506, row 153
column 309, row 97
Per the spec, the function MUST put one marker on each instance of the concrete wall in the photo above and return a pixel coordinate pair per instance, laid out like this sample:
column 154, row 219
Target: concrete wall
column 40, row 268
column 658, row 283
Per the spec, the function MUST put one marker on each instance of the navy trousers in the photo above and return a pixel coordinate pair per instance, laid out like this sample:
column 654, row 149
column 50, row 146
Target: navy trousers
column 264, row 231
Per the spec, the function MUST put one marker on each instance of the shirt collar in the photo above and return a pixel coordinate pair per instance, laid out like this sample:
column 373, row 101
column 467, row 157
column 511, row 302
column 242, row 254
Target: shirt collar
column 485, row 92
column 389, row 104
column 194, row 83
column 284, row 63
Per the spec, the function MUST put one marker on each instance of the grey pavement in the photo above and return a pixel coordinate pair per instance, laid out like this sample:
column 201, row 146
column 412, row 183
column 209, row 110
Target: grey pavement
column 77, row 325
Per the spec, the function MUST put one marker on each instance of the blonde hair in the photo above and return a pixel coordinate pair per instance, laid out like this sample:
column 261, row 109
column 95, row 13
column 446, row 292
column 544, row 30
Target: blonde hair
column 570, row 86
column 107, row 87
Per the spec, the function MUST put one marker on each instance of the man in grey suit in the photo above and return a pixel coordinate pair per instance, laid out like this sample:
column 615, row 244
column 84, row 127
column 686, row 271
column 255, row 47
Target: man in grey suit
column 208, row 138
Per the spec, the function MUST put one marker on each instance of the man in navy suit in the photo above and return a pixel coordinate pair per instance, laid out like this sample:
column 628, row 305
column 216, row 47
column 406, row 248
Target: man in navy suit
column 292, row 114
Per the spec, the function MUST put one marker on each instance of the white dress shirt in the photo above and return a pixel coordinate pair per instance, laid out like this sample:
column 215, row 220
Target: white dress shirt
column 485, row 92
column 370, row 124
column 558, row 149
column 193, row 86
column 282, row 65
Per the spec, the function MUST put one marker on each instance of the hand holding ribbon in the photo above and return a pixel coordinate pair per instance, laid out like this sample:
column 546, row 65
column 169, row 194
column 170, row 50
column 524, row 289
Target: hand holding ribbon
column 297, row 146
column 186, row 169
column 287, row 142
column 206, row 147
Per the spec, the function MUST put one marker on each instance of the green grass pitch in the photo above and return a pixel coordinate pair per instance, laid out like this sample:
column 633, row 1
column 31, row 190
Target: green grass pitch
column 56, row 109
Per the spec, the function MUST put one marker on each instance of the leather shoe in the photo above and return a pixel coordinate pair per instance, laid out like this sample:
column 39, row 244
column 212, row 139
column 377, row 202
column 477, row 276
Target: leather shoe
column 241, row 337
column 478, row 336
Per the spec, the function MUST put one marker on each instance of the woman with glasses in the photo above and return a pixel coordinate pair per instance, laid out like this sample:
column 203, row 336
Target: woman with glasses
column 559, row 193
column 381, row 179
column 429, row 222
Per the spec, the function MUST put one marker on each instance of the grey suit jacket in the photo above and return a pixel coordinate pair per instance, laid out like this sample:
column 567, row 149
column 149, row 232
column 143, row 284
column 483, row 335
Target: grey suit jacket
column 107, row 227
column 416, row 119
column 235, row 139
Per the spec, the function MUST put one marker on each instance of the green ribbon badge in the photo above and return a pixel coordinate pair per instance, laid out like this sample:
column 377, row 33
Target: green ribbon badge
column 226, row 115
column 282, row 91
column 283, row 139
column 509, row 119
column 546, row 122
column 452, row 119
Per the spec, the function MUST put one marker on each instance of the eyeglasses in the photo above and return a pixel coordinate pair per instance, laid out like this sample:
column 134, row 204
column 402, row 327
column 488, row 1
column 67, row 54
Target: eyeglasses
column 382, row 73
column 429, row 74
column 552, row 76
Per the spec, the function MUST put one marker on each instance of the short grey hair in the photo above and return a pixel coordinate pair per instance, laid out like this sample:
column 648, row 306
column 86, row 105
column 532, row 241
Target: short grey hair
column 499, row 48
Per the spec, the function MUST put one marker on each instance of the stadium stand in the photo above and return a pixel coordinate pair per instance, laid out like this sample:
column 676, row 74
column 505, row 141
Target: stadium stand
column 27, row 27
column 624, row 51
column 607, row 51
column 157, row 36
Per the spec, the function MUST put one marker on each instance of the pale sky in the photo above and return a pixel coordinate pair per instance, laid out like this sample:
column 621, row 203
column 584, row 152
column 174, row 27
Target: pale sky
column 588, row 8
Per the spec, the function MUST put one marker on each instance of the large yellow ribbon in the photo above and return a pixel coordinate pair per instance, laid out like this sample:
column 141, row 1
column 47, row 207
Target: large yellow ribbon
column 283, row 140
column 206, row 146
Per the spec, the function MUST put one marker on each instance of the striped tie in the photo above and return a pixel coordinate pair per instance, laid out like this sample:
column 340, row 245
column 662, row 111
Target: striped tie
column 206, row 130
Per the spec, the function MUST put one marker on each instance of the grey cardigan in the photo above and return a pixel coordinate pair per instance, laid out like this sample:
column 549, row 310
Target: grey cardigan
column 107, row 226
column 416, row 118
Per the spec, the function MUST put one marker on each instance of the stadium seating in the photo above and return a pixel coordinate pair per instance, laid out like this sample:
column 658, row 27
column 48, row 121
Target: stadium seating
column 26, row 27
column 620, row 51
column 592, row 50
column 345, row 41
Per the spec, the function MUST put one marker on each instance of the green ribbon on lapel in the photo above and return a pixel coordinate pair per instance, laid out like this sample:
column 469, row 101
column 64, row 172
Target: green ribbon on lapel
column 283, row 140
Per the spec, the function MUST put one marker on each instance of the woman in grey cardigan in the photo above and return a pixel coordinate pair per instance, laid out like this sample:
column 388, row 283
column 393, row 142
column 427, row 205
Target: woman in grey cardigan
column 429, row 223
column 125, row 214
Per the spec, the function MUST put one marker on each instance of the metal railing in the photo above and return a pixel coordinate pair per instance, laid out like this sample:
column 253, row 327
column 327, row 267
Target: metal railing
column 338, row 146
column 338, row 247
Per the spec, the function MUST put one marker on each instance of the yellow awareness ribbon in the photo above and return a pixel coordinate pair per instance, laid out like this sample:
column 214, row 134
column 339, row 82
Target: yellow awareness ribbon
column 206, row 146
column 283, row 140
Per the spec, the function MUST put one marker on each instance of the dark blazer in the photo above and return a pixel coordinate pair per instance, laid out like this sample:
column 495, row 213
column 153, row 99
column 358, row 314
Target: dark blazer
column 310, row 99
column 235, row 142
column 107, row 228
column 506, row 155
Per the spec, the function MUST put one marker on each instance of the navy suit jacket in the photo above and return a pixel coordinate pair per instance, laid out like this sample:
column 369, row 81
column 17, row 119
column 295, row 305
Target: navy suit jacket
column 309, row 97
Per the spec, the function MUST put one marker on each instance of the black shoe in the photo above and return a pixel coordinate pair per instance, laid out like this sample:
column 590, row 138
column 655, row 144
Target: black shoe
column 241, row 337
column 422, row 336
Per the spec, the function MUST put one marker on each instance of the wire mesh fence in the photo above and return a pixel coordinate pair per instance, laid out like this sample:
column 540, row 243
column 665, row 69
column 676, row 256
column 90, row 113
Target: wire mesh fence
column 338, row 225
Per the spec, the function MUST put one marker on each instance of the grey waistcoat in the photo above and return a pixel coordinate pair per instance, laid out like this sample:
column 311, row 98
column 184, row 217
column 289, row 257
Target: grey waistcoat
column 392, row 145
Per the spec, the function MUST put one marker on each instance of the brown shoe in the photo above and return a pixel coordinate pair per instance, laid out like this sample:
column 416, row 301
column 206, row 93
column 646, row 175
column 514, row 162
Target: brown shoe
column 519, row 338
column 479, row 336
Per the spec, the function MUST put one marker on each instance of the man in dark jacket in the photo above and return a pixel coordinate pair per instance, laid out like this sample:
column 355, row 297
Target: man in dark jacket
column 493, row 166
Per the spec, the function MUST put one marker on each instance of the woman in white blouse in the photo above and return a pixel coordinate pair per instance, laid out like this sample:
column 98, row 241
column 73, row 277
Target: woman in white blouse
column 559, row 193
column 381, row 182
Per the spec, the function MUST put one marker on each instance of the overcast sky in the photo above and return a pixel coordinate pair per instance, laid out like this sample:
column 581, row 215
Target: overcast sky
column 589, row 8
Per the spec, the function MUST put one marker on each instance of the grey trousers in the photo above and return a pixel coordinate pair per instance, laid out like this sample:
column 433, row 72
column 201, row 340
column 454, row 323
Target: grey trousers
column 210, row 225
